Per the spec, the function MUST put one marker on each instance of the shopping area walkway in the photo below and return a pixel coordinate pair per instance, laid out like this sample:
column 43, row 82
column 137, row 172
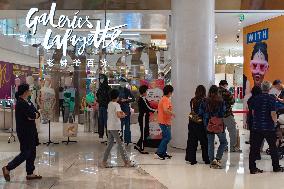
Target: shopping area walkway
column 76, row 167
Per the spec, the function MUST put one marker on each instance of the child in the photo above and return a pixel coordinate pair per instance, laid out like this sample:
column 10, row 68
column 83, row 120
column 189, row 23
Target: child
column 165, row 115
column 144, row 112
column 114, row 126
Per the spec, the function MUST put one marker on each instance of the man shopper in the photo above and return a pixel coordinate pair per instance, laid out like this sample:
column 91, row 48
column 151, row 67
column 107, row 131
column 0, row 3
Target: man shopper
column 229, row 119
column 165, row 115
column 264, row 127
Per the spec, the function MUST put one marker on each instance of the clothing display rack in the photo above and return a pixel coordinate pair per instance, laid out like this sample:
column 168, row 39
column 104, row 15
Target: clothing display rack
column 69, row 141
column 49, row 140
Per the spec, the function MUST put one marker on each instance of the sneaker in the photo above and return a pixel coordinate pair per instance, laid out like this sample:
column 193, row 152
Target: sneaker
column 236, row 149
column 216, row 164
column 193, row 163
column 278, row 170
column 168, row 156
column 256, row 171
column 160, row 157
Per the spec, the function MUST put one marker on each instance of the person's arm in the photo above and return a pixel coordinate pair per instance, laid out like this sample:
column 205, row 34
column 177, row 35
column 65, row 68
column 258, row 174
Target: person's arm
column 166, row 109
column 28, row 111
column 274, row 116
column 147, row 105
column 120, row 114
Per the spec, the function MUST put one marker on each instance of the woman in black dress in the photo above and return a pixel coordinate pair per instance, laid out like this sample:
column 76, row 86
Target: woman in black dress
column 27, row 134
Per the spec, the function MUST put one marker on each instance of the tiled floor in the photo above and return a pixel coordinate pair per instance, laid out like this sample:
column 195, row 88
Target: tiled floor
column 76, row 166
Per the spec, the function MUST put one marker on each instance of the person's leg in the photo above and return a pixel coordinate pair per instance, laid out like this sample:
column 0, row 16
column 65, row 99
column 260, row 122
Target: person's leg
column 202, row 137
column 230, row 124
column 127, row 131
column 222, row 145
column 105, row 120
column 30, row 161
column 211, row 143
column 18, row 160
column 169, row 137
column 256, row 139
column 163, row 144
column 109, row 146
column 192, row 143
column 101, row 123
column 121, row 147
column 140, row 121
column 271, row 140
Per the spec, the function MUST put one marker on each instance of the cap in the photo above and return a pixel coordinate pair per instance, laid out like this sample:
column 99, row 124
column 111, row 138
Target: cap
column 223, row 82
column 277, row 82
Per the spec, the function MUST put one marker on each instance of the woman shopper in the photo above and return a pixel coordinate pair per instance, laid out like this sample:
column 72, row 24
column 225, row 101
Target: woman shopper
column 143, row 118
column 27, row 134
column 212, row 111
column 196, row 130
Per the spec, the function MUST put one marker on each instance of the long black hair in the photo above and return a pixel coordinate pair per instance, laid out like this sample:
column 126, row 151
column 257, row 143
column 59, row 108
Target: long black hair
column 262, row 47
column 21, row 90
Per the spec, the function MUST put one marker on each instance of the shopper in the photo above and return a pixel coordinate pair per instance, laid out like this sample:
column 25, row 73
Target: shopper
column 229, row 119
column 264, row 127
column 103, row 100
column 256, row 90
column 61, row 101
column 27, row 134
column 114, row 125
column 125, row 98
column 144, row 113
column 212, row 111
column 196, row 130
column 165, row 115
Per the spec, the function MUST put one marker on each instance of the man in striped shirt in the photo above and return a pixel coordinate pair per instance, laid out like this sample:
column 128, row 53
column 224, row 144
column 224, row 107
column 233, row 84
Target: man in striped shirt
column 264, row 127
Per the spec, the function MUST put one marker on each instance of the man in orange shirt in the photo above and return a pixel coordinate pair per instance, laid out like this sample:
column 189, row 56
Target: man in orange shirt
column 165, row 115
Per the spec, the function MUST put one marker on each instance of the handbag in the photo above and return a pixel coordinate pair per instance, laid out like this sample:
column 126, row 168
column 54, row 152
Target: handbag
column 194, row 117
column 215, row 125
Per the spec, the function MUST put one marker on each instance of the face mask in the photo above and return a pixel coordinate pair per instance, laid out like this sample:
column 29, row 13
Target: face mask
column 29, row 98
column 102, row 80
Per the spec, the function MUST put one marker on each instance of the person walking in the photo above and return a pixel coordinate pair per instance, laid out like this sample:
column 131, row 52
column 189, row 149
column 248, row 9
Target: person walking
column 229, row 120
column 165, row 115
column 114, row 115
column 143, row 118
column 196, row 130
column 125, row 98
column 264, row 127
column 212, row 112
column 103, row 100
column 25, row 114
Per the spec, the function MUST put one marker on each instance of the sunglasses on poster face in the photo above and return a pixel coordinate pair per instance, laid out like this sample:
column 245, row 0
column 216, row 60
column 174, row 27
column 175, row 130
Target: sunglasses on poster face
column 259, row 67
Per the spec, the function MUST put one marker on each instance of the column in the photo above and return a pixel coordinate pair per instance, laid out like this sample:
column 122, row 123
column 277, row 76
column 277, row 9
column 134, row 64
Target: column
column 192, row 45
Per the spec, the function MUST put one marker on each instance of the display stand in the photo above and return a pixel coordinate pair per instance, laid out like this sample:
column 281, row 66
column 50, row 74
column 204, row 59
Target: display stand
column 12, row 136
column 49, row 140
column 69, row 141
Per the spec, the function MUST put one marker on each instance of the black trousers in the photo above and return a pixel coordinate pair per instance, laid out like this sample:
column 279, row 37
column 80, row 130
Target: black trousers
column 144, row 130
column 196, row 133
column 61, row 107
column 256, row 138
column 28, row 154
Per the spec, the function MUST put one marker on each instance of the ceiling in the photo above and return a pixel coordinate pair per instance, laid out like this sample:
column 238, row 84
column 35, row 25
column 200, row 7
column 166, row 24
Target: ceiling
column 227, row 26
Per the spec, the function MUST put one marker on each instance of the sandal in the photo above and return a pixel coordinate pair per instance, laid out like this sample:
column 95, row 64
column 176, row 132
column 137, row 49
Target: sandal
column 33, row 177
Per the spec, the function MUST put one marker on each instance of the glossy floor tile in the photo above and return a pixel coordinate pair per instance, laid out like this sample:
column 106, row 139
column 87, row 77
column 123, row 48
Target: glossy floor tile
column 75, row 166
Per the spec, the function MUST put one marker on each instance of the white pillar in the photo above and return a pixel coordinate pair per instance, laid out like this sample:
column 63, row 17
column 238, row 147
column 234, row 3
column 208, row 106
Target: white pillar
column 193, row 59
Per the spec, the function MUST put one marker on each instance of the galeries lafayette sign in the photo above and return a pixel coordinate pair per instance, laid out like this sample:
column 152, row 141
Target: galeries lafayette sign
column 99, row 37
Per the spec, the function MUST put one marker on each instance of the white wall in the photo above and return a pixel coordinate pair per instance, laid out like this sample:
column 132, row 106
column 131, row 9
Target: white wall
column 13, row 51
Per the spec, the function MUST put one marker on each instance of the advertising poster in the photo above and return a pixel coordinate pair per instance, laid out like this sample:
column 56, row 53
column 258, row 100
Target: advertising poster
column 6, row 79
column 155, row 93
column 263, row 52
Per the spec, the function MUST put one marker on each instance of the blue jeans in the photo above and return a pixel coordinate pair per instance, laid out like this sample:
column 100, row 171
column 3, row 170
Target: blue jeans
column 221, row 148
column 125, row 122
column 102, row 121
column 167, row 136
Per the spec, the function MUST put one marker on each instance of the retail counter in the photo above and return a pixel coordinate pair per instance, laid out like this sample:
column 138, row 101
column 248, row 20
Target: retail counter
column 5, row 119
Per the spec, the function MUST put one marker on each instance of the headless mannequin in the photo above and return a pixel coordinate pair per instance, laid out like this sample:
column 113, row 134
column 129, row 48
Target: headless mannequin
column 47, row 100
column 69, row 101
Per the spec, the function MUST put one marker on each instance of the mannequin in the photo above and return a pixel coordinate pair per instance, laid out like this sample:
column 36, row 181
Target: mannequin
column 91, row 108
column 69, row 101
column 47, row 100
